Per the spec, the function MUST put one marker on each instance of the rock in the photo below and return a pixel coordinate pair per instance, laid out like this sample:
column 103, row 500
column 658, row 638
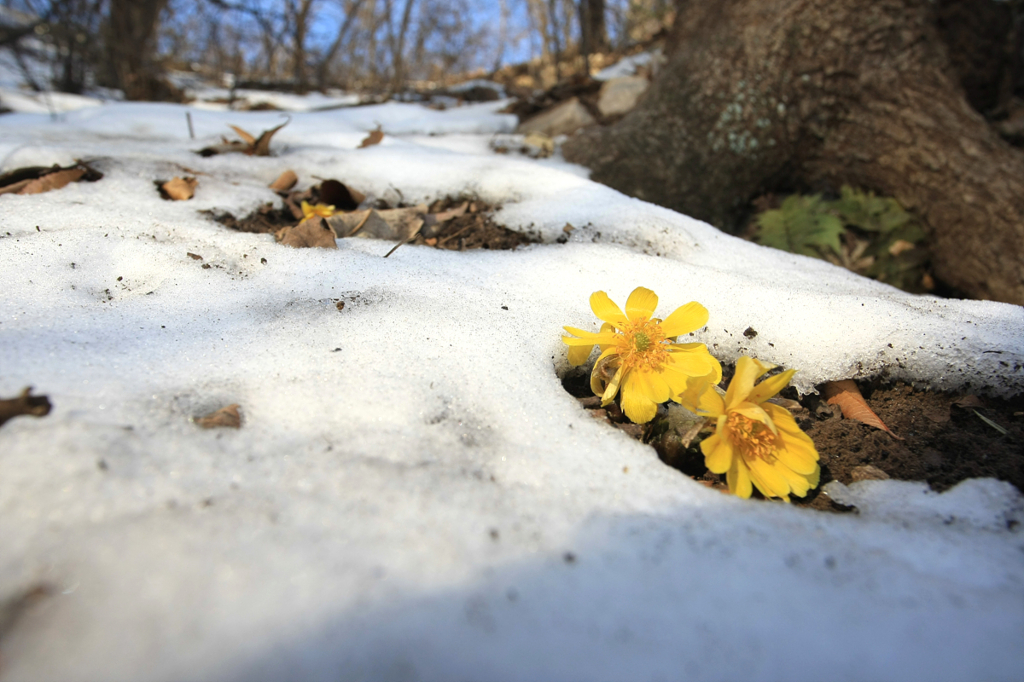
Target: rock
column 563, row 119
column 619, row 95
column 868, row 472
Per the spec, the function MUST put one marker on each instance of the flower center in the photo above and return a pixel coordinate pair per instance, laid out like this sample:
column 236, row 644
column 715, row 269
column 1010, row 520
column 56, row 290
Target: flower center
column 641, row 345
column 752, row 438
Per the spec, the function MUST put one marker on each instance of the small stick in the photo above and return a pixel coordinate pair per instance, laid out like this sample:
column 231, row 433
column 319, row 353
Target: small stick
column 406, row 240
column 191, row 132
column 453, row 236
column 396, row 247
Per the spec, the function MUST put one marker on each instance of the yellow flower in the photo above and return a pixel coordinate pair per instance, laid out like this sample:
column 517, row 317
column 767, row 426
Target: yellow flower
column 322, row 210
column 754, row 441
column 638, row 352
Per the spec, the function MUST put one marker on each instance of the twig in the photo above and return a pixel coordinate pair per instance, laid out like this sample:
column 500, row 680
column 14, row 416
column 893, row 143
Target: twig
column 991, row 423
column 454, row 234
column 191, row 132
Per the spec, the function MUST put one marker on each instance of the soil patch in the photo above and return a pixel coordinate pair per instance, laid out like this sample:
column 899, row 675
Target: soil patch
column 946, row 438
column 474, row 229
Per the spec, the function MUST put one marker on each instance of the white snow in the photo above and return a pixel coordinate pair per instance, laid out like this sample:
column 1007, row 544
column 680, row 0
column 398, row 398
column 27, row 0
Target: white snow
column 627, row 66
column 412, row 495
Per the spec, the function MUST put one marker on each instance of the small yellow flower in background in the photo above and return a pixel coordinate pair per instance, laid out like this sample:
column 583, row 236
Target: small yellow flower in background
column 322, row 210
column 638, row 354
column 754, row 441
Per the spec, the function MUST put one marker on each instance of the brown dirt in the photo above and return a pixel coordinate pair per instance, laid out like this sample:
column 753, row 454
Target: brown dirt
column 945, row 441
column 473, row 230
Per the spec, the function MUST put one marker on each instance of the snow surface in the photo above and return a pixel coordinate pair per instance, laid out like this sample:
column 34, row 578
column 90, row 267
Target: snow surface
column 412, row 495
column 627, row 66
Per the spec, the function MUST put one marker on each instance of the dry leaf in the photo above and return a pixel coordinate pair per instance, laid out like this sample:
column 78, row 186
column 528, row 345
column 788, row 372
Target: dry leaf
column 285, row 181
column 179, row 189
column 25, row 404
column 312, row 232
column 38, row 179
column 899, row 246
column 847, row 396
column 456, row 212
column 969, row 401
column 246, row 137
column 248, row 145
column 373, row 138
column 394, row 224
column 16, row 187
column 225, row 417
column 340, row 195
column 262, row 145
column 53, row 181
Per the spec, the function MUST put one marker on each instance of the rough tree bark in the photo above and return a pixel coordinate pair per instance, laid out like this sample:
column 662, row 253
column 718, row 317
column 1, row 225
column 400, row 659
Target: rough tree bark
column 593, row 35
column 130, row 37
column 763, row 95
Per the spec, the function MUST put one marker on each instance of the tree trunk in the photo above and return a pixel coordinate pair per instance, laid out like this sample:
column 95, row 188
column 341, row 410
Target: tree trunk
column 130, row 39
column 593, row 35
column 763, row 95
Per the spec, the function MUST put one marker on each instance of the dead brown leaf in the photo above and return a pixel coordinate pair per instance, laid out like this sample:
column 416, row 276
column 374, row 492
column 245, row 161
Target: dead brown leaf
column 969, row 401
column 253, row 146
column 38, row 179
column 393, row 224
column 16, row 187
column 312, row 232
column 24, row 404
column 373, row 138
column 848, row 397
column 179, row 189
column 262, row 145
column 226, row 417
column 339, row 195
column 285, row 181
column 246, row 137
column 53, row 181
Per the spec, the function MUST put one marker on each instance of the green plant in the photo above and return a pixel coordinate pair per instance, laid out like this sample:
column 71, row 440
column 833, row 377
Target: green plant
column 802, row 225
column 873, row 236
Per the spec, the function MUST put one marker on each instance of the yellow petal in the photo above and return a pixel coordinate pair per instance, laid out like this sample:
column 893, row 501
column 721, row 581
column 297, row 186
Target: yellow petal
column 602, row 336
column 685, row 319
column 641, row 303
column 612, row 388
column 767, row 478
column 798, row 484
column 606, row 310
column 748, row 370
column 696, row 362
column 770, row 386
column 739, row 478
column 653, row 385
column 718, row 453
column 700, row 397
column 797, row 454
column 635, row 403
column 579, row 354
